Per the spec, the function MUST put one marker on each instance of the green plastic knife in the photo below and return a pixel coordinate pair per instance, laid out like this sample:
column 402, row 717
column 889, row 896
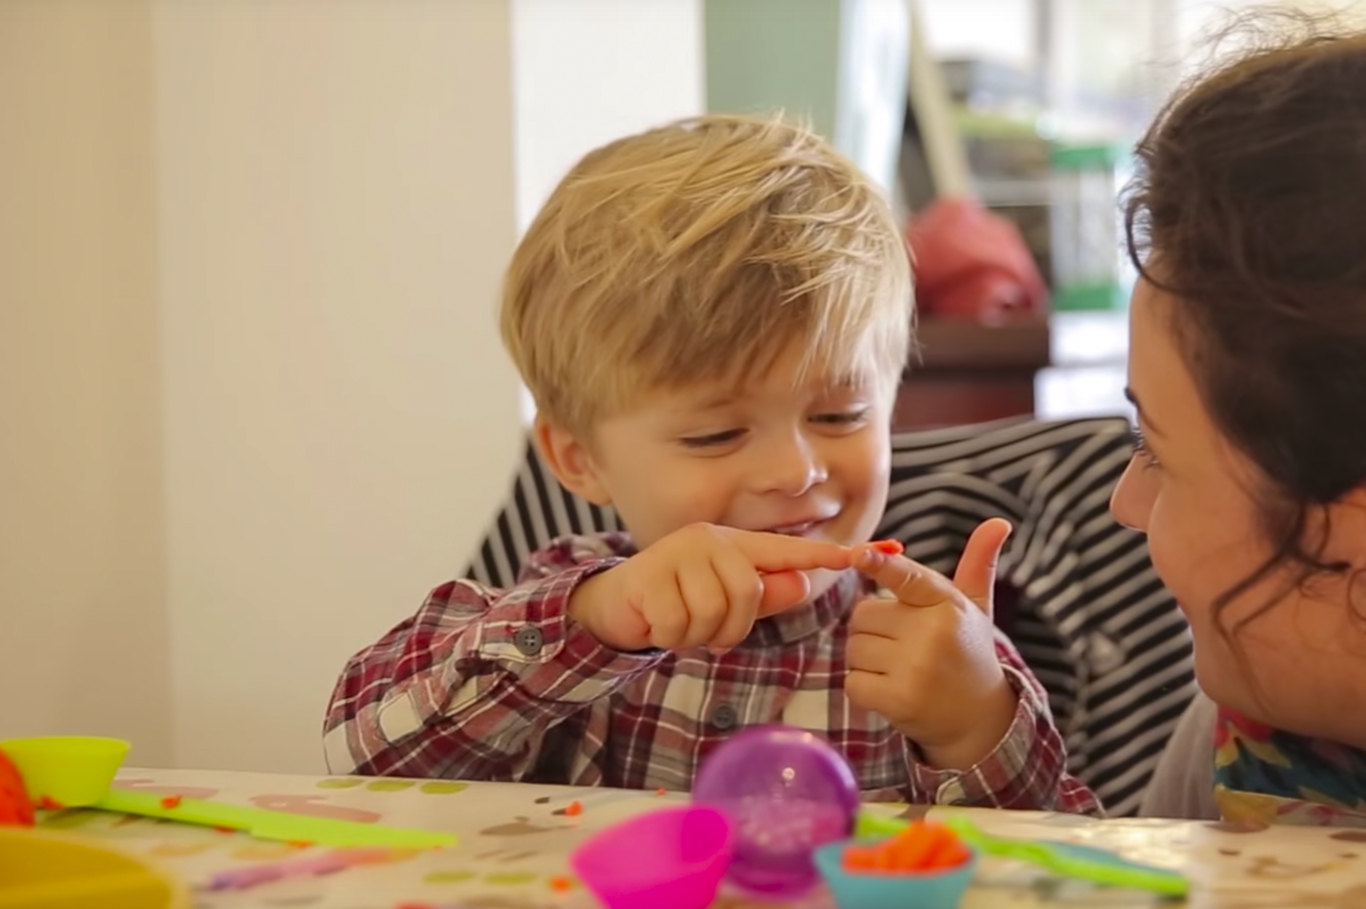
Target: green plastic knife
column 281, row 826
column 1065, row 859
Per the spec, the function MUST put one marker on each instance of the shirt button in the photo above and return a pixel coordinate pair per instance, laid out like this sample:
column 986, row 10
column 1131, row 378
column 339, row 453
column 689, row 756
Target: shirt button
column 724, row 717
column 529, row 640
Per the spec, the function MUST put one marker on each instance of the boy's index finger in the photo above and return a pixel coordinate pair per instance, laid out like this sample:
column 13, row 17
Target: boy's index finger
column 907, row 580
column 774, row 552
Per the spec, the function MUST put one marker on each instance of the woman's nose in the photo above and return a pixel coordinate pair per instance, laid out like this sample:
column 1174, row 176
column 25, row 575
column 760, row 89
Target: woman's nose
column 1132, row 501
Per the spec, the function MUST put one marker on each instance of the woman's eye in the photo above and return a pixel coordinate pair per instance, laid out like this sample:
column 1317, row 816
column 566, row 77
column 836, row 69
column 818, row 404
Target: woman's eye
column 1142, row 450
column 712, row 439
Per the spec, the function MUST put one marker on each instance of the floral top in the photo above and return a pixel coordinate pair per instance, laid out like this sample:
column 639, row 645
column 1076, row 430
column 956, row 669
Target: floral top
column 1264, row 775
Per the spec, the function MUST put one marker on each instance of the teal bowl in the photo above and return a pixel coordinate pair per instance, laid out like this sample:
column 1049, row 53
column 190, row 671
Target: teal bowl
column 882, row 889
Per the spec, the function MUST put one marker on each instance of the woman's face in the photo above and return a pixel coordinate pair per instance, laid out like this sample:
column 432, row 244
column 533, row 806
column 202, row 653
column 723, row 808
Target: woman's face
column 1303, row 659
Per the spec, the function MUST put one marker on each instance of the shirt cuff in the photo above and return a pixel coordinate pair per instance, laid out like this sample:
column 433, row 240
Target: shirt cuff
column 529, row 634
column 987, row 782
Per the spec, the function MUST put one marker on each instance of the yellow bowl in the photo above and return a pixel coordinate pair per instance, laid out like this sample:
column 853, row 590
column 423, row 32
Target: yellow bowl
column 69, row 769
column 42, row 870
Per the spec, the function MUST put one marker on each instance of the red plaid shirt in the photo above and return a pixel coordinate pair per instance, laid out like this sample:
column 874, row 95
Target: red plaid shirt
column 499, row 685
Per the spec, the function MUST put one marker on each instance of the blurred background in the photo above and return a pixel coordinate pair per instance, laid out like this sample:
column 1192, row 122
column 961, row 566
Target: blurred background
column 252, row 400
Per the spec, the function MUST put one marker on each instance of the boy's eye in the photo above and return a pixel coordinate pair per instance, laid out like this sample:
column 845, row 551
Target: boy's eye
column 844, row 418
column 711, row 439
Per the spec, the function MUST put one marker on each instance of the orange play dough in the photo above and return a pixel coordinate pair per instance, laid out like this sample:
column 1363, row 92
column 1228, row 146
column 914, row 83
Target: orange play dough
column 15, row 808
column 923, row 846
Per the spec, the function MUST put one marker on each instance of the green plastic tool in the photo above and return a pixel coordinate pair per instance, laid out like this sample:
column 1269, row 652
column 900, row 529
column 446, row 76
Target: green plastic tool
column 77, row 772
column 281, row 826
column 871, row 826
column 1065, row 859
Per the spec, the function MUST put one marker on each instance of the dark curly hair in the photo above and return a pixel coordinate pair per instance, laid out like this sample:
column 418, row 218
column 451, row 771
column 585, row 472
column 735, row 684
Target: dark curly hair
column 1248, row 207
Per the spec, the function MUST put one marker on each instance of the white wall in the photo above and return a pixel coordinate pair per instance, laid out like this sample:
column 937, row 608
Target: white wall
column 83, row 613
column 334, row 203
column 589, row 71
column 344, row 420
column 253, row 400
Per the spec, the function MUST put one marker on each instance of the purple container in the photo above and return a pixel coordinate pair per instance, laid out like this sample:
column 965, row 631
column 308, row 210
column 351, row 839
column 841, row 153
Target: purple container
column 786, row 793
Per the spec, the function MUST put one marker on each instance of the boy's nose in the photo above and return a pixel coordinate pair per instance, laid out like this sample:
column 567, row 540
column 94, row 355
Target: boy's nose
column 794, row 467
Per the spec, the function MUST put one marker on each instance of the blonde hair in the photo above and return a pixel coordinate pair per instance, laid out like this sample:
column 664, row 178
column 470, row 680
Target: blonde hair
column 703, row 250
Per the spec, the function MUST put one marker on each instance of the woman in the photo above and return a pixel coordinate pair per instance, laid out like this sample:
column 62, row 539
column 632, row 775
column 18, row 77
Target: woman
column 1247, row 220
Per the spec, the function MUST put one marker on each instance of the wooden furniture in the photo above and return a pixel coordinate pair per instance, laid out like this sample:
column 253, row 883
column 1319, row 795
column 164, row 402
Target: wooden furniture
column 971, row 373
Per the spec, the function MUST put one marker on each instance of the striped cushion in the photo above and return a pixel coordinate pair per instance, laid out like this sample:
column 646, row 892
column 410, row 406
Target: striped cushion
column 1086, row 609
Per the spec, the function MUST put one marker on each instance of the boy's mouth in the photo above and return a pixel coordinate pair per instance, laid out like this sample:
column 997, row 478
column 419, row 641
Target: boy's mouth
column 800, row 528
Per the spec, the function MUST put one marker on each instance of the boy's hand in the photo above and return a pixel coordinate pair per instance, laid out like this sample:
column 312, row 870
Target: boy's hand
column 926, row 660
column 702, row 586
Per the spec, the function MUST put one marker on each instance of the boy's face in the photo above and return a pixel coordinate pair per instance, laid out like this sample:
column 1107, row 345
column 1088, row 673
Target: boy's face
column 810, row 459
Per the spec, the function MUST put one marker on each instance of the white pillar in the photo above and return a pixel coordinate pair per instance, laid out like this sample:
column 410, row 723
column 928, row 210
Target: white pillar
column 83, row 611
column 340, row 187
column 253, row 400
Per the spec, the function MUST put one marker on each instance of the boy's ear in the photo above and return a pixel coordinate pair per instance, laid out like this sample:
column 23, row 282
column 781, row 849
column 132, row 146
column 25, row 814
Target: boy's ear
column 570, row 461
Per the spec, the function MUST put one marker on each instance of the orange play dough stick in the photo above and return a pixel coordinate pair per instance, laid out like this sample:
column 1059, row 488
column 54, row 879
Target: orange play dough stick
column 923, row 846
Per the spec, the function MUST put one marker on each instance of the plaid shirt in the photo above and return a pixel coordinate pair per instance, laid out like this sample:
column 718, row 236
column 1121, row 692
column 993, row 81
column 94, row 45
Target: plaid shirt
column 499, row 685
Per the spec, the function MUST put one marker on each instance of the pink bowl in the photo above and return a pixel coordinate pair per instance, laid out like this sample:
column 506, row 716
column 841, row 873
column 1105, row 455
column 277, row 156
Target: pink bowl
column 673, row 858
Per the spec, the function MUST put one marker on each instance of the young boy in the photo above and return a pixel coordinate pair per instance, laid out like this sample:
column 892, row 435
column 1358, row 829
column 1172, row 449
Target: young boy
column 713, row 318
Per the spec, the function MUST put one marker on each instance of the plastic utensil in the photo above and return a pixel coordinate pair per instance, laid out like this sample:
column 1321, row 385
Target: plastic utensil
column 673, row 858
column 1085, row 863
column 252, row 875
column 786, row 792
column 869, row 826
column 281, row 826
column 937, row 889
column 72, row 770
column 78, row 772
column 1069, row 860
column 56, row 871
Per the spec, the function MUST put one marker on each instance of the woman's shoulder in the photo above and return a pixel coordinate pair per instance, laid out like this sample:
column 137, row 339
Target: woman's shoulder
column 1182, row 786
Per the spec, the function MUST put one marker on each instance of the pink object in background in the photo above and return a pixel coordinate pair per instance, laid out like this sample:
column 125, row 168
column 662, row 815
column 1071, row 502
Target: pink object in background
column 972, row 264
column 314, row 806
column 243, row 878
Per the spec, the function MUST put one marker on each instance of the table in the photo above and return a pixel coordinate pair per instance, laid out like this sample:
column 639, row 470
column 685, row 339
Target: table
column 515, row 840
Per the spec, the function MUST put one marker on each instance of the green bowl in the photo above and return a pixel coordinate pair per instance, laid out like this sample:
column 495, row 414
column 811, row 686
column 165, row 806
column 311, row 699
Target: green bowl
column 71, row 770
